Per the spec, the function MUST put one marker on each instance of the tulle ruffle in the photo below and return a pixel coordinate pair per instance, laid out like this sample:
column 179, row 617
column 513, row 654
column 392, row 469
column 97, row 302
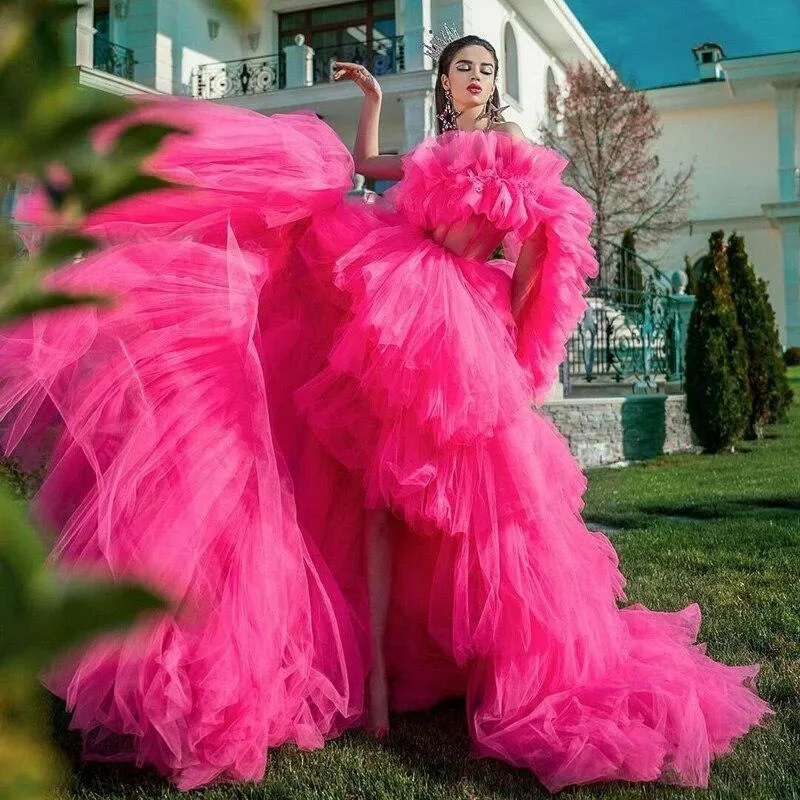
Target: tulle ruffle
column 237, row 170
column 517, row 186
column 163, row 465
column 509, row 598
column 463, row 173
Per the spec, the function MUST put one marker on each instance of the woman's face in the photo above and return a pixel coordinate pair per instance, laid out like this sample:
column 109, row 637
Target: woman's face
column 471, row 76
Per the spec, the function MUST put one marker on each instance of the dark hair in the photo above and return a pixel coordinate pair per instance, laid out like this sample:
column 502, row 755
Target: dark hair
column 446, row 59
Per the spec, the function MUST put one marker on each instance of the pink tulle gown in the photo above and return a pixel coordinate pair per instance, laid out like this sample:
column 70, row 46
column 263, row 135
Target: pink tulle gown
column 279, row 359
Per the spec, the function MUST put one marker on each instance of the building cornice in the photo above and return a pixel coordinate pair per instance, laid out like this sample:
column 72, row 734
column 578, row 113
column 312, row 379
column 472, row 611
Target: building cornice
column 113, row 84
column 559, row 30
column 747, row 80
column 782, row 213
column 766, row 69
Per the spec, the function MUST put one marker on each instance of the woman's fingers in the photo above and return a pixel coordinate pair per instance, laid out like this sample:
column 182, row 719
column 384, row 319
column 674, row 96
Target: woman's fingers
column 355, row 72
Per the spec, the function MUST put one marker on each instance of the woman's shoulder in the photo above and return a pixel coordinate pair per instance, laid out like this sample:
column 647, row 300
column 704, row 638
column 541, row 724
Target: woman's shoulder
column 510, row 129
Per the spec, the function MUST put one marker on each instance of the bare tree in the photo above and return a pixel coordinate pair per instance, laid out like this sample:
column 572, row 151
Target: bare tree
column 608, row 131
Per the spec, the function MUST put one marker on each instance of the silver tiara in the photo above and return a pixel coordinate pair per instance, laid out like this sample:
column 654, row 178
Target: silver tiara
column 447, row 34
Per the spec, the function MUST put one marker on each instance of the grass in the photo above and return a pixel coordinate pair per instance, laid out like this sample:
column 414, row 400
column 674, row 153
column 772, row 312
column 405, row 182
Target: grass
column 722, row 530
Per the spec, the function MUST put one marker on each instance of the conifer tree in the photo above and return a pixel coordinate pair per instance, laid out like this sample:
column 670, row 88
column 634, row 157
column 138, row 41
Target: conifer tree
column 751, row 311
column 717, row 388
column 780, row 392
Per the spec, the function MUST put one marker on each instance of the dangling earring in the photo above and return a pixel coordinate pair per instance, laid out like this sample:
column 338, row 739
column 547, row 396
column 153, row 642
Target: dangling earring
column 449, row 115
column 494, row 113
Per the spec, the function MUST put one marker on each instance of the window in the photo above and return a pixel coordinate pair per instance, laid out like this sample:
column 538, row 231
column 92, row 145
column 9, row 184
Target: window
column 102, row 18
column 511, row 62
column 348, row 31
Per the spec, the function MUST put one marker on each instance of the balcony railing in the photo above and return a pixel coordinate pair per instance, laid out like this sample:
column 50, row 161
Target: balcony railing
column 113, row 58
column 380, row 57
column 237, row 78
column 268, row 73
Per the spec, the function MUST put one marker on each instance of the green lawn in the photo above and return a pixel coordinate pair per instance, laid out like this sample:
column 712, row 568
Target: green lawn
column 722, row 530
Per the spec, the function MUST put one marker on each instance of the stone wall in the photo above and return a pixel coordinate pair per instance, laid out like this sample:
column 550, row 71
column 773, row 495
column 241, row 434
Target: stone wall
column 603, row 430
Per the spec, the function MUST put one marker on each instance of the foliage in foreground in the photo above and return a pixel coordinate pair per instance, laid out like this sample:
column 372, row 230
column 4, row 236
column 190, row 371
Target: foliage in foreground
column 45, row 139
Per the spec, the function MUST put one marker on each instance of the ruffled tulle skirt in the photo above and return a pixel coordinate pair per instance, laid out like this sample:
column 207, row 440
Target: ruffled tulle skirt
column 277, row 362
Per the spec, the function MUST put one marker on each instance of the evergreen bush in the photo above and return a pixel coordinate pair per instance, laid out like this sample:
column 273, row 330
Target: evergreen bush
column 717, row 388
column 753, row 311
column 792, row 357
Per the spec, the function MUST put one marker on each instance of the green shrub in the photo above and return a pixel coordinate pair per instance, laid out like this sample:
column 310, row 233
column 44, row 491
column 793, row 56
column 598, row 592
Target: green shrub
column 765, row 370
column 717, row 388
column 792, row 357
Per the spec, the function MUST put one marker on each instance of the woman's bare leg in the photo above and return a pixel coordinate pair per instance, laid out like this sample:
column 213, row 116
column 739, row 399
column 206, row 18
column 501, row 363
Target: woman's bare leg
column 379, row 576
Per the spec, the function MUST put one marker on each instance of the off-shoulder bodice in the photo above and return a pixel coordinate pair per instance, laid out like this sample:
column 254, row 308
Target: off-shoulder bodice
column 468, row 189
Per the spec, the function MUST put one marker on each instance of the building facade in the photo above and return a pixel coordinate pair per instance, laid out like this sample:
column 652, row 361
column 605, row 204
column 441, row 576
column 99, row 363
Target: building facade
column 282, row 64
column 738, row 124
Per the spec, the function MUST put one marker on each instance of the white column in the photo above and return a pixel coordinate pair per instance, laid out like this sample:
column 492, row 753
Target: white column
column 790, row 244
column 786, row 108
column 415, row 18
column 299, row 61
column 84, row 35
column 141, row 30
column 419, row 114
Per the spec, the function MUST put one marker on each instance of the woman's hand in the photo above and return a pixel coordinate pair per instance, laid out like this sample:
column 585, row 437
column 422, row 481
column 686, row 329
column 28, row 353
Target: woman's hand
column 360, row 76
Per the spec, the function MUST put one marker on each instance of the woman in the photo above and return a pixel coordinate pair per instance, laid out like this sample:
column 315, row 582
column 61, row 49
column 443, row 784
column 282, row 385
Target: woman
column 307, row 421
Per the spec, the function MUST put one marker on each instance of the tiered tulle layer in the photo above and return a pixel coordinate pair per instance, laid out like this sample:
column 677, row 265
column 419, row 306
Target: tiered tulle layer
column 423, row 396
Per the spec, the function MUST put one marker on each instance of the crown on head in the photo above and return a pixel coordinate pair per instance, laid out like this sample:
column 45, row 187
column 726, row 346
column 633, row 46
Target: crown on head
column 447, row 34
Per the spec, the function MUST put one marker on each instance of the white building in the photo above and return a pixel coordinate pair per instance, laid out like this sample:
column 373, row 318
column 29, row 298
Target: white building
column 180, row 47
column 739, row 124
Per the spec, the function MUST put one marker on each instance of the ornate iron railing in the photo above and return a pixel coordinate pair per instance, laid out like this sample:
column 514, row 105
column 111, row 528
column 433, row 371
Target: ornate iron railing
column 113, row 58
column 633, row 329
column 638, row 340
column 268, row 73
column 379, row 56
column 240, row 77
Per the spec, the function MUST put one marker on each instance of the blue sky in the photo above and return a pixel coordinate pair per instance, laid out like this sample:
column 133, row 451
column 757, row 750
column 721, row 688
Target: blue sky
column 649, row 42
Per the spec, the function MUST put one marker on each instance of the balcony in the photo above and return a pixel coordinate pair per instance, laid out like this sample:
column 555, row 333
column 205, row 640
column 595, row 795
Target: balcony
column 113, row 58
column 268, row 73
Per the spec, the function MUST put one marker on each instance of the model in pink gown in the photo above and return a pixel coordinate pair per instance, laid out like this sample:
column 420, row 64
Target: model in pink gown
column 280, row 359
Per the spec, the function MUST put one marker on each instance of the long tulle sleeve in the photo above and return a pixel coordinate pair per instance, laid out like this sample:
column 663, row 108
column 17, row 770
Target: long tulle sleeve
column 552, row 300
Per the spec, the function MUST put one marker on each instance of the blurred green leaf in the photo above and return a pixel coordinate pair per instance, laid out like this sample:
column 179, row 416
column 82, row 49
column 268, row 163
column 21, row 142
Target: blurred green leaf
column 115, row 182
column 58, row 127
column 140, row 141
column 74, row 611
column 13, row 34
column 62, row 247
column 21, row 553
column 17, row 308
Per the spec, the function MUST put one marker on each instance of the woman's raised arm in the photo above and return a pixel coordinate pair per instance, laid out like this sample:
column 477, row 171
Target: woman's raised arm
column 367, row 160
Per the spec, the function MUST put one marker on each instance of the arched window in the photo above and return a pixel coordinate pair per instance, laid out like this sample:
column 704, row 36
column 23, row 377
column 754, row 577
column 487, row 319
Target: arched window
column 550, row 88
column 511, row 62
